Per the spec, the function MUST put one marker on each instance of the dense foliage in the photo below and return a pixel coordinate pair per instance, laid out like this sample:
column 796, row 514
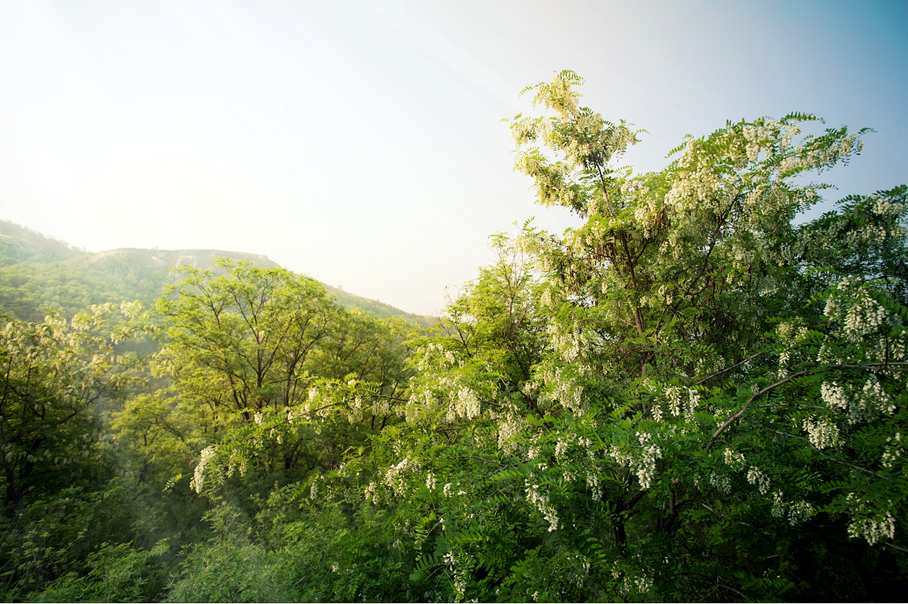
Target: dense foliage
column 692, row 396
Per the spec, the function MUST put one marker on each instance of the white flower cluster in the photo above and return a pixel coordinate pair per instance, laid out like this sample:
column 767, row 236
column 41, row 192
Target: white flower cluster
column 541, row 503
column 822, row 432
column 674, row 396
column 800, row 511
column 693, row 400
column 797, row 511
column 561, row 448
column 380, row 406
column 644, row 463
column 430, row 481
column 563, row 390
column 868, row 235
column 394, row 477
column 236, row 462
column 571, row 344
column 733, row 458
column 862, row 406
column 508, row 430
column 595, row 486
column 834, row 396
column 657, row 411
column 433, row 355
column 759, row 139
column 721, row 482
column 852, row 306
column 699, row 184
column 628, row 585
column 467, row 404
column 642, row 584
column 460, row 580
column 825, row 156
column 198, row 478
column 886, row 207
column 893, row 451
column 873, row 530
column 756, row 477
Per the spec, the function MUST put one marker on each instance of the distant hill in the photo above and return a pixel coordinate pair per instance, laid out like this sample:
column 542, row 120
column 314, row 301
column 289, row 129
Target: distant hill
column 39, row 272
column 21, row 244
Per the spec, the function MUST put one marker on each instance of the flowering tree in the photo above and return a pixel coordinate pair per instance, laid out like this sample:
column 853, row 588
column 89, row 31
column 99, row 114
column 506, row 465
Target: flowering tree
column 56, row 460
column 53, row 373
column 690, row 396
column 695, row 398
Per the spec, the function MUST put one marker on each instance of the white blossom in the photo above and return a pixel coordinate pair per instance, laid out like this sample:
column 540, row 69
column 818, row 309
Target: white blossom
column 541, row 503
column 873, row 530
column 508, row 430
column 822, row 432
column 893, row 450
column 756, row 477
column 721, row 482
column 467, row 404
column 733, row 458
column 198, row 479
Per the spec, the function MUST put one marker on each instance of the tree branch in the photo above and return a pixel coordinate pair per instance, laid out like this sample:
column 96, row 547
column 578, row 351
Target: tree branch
column 738, row 415
column 750, row 358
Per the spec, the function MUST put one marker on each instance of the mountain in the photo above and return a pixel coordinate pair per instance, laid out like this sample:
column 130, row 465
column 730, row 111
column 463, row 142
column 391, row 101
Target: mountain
column 38, row 273
column 21, row 244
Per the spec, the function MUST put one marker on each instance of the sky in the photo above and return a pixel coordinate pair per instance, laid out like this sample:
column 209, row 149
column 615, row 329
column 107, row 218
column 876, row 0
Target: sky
column 360, row 141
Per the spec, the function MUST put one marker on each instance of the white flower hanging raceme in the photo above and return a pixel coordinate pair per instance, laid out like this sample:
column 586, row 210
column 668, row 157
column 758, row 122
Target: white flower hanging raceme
column 863, row 405
column 541, row 503
column 508, row 431
column 822, row 432
column 759, row 479
column 872, row 529
column 466, row 404
column 797, row 511
column 198, row 479
column 642, row 461
column 893, row 451
column 394, row 477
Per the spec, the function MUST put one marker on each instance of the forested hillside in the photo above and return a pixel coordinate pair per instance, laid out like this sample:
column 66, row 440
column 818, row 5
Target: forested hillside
column 39, row 273
column 693, row 396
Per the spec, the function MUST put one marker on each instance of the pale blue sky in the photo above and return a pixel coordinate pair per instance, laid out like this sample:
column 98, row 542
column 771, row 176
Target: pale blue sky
column 359, row 141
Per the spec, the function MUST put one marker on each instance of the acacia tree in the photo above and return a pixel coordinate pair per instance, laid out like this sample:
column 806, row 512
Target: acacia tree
column 720, row 393
column 256, row 357
column 57, row 471
column 53, row 373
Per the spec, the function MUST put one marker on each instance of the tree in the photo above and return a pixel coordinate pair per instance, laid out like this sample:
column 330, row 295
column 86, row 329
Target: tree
column 280, row 379
column 239, row 343
column 60, row 497
column 53, row 373
column 720, row 392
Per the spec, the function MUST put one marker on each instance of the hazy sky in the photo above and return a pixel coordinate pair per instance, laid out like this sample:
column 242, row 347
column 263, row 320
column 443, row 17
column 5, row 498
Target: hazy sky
column 359, row 141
